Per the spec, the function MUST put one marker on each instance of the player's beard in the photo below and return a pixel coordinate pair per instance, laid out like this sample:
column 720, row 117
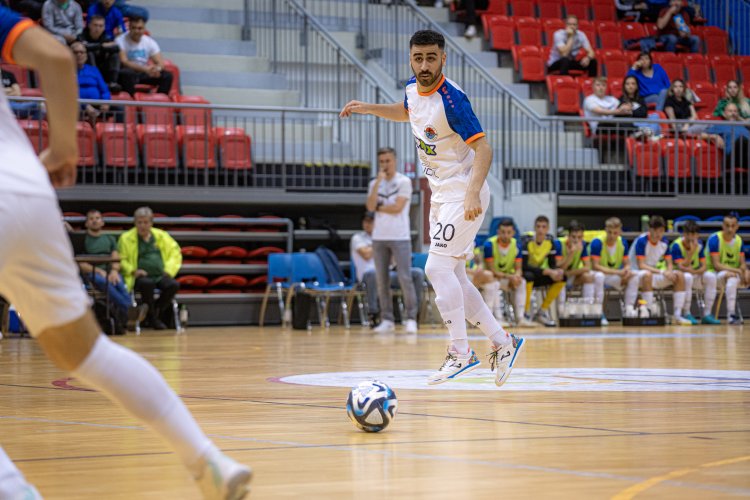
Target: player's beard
column 427, row 79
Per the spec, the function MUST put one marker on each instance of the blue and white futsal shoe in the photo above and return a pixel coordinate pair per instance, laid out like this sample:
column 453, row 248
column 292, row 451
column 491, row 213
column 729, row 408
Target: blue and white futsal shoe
column 223, row 478
column 504, row 358
column 454, row 365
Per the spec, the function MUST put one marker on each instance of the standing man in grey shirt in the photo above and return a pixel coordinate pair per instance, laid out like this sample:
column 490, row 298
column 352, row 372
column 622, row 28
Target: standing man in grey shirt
column 388, row 196
column 571, row 49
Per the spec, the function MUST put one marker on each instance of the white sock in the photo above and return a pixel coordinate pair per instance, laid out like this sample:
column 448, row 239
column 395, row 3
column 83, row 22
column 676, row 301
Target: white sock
column 631, row 290
column 11, row 479
column 455, row 321
column 520, row 300
column 477, row 312
column 598, row 287
column 688, row 293
column 709, row 292
column 588, row 291
column 731, row 294
column 441, row 271
column 679, row 301
column 648, row 297
column 133, row 383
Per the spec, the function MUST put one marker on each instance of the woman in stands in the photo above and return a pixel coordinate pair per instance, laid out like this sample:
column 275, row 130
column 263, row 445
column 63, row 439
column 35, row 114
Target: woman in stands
column 733, row 93
column 632, row 103
column 679, row 106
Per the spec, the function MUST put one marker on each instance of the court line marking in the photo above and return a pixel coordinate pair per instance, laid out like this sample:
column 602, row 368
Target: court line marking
column 632, row 491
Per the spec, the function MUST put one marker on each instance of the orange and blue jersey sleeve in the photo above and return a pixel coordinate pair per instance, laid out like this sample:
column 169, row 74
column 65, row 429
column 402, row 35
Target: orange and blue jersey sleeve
column 640, row 247
column 701, row 253
column 626, row 248
column 676, row 253
column 667, row 254
column 595, row 249
column 460, row 115
column 585, row 251
column 11, row 27
column 519, row 254
column 556, row 249
column 488, row 253
column 713, row 244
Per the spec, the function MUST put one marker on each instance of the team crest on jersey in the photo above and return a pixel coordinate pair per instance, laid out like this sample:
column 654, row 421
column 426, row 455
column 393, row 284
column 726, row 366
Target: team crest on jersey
column 430, row 132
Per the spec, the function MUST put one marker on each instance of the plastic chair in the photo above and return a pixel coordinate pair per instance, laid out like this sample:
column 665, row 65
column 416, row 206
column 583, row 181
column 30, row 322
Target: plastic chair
column 193, row 254
column 227, row 255
column 309, row 276
column 501, row 32
column 278, row 277
column 87, row 149
column 159, row 145
column 229, row 283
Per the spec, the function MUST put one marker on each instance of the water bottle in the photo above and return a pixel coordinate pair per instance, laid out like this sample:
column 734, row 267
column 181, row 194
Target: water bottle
column 184, row 315
column 643, row 311
column 682, row 26
column 644, row 223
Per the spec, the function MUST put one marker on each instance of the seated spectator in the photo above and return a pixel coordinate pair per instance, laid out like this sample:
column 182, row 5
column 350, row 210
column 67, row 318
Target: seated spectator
column 631, row 9
column 12, row 89
column 364, row 265
column 673, row 27
column 131, row 11
column 104, row 50
column 64, row 19
column 571, row 49
column 654, row 8
column 734, row 94
column 90, row 85
column 599, row 104
column 114, row 24
column 633, row 104
column 106, row 277
column 653, row 81
column 735, row 140
column 141, row 59
column 679, row 106
column 150, row 259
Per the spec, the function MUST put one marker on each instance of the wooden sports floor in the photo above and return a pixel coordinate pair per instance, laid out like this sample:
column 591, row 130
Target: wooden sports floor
column 588, row 413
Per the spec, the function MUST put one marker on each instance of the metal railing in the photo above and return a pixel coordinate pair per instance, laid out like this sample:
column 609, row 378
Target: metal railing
column 732, row 16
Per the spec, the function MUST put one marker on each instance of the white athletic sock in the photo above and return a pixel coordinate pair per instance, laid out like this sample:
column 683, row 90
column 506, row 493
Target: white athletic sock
column 599, row 287
column 519, row 298
column 133, row 383
column 477, row 312
column 631, row 290
column 678, row 300
column 648, row 297
column 731, row 293
column 688, row 293
column 455, row 321
column 709, row 292
column 11, row 479
column 588, row 291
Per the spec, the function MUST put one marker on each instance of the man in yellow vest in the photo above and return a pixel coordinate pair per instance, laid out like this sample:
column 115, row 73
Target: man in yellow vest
column 727, row 260
column 541, row 253
column 688, row 256
column 502, row 257
column 150, row 259
column 609, row 261
column 575, row 263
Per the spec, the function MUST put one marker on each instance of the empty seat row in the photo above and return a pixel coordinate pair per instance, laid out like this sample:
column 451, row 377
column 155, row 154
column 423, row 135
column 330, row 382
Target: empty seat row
column 676, row 158
column 228, row 283
column 583, row 9
column 227, row 254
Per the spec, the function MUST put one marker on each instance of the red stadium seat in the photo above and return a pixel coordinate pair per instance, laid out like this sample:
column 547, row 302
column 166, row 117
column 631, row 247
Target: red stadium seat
column 588, row 29
column 676, row 157
column 159, row 145
column 174, row 90
column 615, row 86
column 198, row 146
column 567, row 97
column 502, row 33
column 227, row 255
column 603, row 10
column 743, row 64
column 260, row 255
column 578, row 8
column 707, row 92
column 550, row 26
column 115, row 226
column 614, row 62
column 38, row 133
column 234, row 148
column 528, row 31
column 724, row 68
column 532, row 68
column 131, row 112
column 696, row 66
column 715, row 40
column 633, row 31
column 586, row 83
column 21, row 75
column 550, row 9
column 87, row 155
column 193, row 254
column 522, row 8
column 257, row 284
column 192, row 283
column 497, row 7
column 229, row 283
column 163, row 116
column 552, row 82
column 518, row 51
column 610, row 36
column 708, row 159
column 191, row 116
column 645, row 157
column 672, row 64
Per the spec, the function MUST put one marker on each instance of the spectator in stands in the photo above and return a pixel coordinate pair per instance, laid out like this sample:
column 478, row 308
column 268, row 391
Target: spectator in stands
column 541, row 253
column 679, row 106
column 673, row 26
column 571, row 49
column 576, row 264
column 104, row 50
column 150, row 259
column 631, row 9
column 503, row 258
column 599, row 104
column 388, row 196
column 654, row 8
column 653, row 81
column 91, row 85
column 114, row 24
column 725, row 257
column 12, row 89
column 132, row 11
column 64, row 19
column 689, row 258
column 360, row 248
column 470, row 16
column 106, row 277
column 634, row 105
column 734, row 94
column 140, row 57
column 734, row 140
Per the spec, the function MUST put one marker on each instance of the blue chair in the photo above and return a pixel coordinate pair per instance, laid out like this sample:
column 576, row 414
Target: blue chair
column 715, row 218
column 278, row 277
column 682, row 219
column 309, row 276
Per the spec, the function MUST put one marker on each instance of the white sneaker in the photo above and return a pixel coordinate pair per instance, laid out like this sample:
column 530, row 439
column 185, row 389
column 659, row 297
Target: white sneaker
column 471, row 31
column 385, row 326
column 679, row 320
column 525, row 323
column 28, row 492
column 630, row 312
column 223, row 478
column 544, row 318
column 605, row 321
column 410, row 326
column 453, row 366
column 503, row 359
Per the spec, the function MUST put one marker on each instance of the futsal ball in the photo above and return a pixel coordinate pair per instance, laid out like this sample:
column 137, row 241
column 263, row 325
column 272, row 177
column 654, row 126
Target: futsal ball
column 371, row 406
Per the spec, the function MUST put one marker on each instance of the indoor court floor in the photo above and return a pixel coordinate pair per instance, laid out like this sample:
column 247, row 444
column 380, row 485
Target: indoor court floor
column 617, row 413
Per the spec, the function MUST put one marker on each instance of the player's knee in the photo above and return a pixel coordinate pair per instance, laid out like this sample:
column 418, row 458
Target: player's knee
column 67, row 346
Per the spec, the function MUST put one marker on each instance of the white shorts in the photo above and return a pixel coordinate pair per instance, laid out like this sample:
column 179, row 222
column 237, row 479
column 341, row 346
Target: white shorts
column 450, row 234
column 659, row 282
column 38, row 274
column 613, row 281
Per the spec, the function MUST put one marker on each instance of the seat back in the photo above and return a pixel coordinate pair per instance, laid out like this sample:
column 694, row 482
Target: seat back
column 307, row 268
column 279, row 267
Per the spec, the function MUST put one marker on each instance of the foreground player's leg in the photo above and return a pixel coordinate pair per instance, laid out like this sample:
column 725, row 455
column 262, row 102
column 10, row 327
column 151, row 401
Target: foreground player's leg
column 461, row 359
column 12, row 483
column 80, row 348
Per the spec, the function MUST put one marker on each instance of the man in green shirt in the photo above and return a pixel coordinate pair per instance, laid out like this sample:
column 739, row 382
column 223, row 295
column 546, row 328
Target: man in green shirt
column 150, row 259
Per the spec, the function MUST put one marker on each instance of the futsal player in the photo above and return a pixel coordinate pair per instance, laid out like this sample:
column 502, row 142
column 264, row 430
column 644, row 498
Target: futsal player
column 455, row 158
column 39, row 276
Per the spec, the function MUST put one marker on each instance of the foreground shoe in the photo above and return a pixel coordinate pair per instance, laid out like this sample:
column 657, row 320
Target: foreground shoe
column 691, row 318
column 709, row 319
column 385, row 326
column 734, row 320
column 223, row 478
column 502, row 359
column 410, row 326
column 453, row 366
column 679, row 320
column 544, row 318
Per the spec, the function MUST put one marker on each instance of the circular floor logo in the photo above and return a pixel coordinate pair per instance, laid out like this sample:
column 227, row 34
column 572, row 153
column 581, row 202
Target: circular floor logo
column 545, row 379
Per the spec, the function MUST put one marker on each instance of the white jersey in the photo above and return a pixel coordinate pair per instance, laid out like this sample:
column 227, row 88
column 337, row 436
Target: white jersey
column 444, row 125
column 20, row 169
